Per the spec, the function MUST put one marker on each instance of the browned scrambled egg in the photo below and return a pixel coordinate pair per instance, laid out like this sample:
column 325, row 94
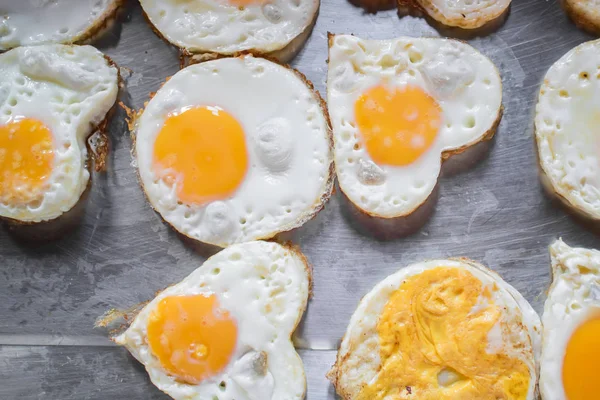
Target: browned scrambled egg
column 433, row 337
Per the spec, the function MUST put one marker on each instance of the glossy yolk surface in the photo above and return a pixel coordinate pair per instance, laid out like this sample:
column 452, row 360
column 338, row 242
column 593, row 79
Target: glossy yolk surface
column 397, row 125
column 433, row 338
column 26, row 159
column 191, row 336
column 582, row 362
column 203, row 152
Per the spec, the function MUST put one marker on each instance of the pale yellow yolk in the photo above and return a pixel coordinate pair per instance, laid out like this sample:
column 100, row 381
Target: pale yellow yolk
column 397, row 125
column 582, row 362
column 202, row 151
column 191, row 336
column 433, row 343
column 26, row 159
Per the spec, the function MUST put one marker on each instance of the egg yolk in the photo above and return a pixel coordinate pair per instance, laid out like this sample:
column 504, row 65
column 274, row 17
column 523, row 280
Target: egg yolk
column 192, row 337
column 26, row 159
column 433, row 339
column 582, row 362
column 397, row 125
column 203, row 152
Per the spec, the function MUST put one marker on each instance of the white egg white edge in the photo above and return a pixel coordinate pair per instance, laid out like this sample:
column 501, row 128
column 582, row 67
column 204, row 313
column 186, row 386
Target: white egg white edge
column 548, row 180
column 530, row 318
column 582, row 15
column 95, row 29
column 283, row 53
column 563, row 312
column 319, row 203
column 461, row 19
column 129, row 340
column 101, row 128
column 447, row 152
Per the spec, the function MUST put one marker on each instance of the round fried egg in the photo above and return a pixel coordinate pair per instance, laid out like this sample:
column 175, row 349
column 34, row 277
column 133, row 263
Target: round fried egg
column 465, row 14
column 224, row 332
column 440, row 330
column 52, row 97
column 566, row 129
column 398, row 107
column 235, row 149
column 232, row 26
column 571, row 347
column 32, row 22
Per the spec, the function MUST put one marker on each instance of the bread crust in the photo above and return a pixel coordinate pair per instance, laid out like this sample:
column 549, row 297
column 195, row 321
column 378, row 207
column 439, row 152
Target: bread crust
column 584, row 19
column 283, row 55
column 317, row 206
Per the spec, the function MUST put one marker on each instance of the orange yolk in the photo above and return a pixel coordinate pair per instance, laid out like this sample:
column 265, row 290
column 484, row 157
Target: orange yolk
column 203, row 151
column 582, row 362
column 397, row 125
column 191, row 336
column 26, row 158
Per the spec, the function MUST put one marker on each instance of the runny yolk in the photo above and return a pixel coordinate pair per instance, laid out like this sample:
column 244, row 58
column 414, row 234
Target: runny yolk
column 192, row 337
column 397, row 125
column 203, row 152
column 26, row 159
column 433, row 343
column 582, row 362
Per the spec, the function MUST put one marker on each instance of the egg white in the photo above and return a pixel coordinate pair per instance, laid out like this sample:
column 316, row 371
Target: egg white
column 289, row 175
column 264, row 286
column 70, row 89
column 220, row 27
column 35, row 22
column 358, row 360
column 574, row 296
column 566, row 129
column 465, row 84
column 471, row 14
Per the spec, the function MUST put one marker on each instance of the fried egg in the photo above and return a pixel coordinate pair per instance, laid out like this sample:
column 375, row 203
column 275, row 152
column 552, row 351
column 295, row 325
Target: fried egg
column 566, row 122
column 585, row 14
column 571, row 347
column 224, row 331
column 32, row 22
column 232, row 26
column 235, row 149
column 52, row 97
column 440, row 330
column 398, row 107
column 465, row 14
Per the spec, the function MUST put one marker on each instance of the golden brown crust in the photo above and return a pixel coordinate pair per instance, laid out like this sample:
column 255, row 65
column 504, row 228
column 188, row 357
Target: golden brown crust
column 101, row 24
column 327, row 191
column 282, row 55
column 584, row 20
column 98, row 154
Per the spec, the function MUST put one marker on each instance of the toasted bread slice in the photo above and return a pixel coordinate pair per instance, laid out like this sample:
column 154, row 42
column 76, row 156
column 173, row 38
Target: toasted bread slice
column 474, row 15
